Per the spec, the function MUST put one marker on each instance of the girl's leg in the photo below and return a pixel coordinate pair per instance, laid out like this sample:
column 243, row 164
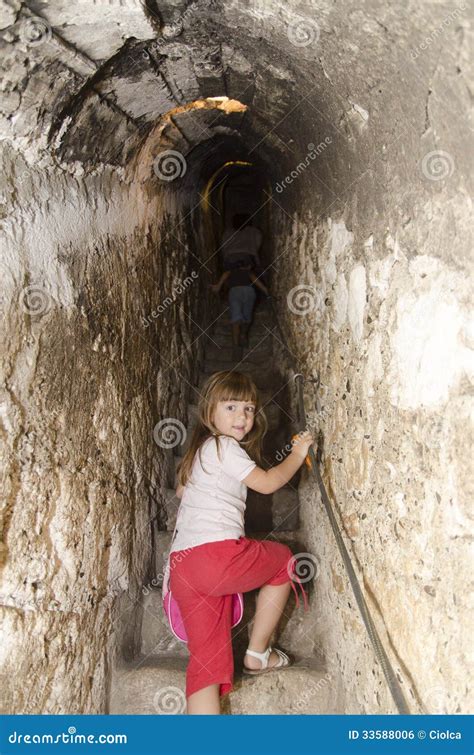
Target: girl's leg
column 244, row 340
column 235, row 314
column 204, row 702
column 235, row 333
column 271, row 602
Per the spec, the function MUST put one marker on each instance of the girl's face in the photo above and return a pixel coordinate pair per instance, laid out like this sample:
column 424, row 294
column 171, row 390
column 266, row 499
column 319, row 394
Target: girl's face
column 234, row 418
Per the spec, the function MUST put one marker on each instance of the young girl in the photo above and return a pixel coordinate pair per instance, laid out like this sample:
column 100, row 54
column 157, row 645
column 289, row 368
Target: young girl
column 216, row 559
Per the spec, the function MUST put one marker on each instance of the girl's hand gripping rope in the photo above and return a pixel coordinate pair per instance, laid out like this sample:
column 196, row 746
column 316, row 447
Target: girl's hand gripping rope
column 301, row 443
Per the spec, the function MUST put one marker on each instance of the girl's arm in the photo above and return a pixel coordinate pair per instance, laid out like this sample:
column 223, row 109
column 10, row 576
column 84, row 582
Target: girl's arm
column 267, row 481
column 224, row 276
column 179, row 491
column 258, row 283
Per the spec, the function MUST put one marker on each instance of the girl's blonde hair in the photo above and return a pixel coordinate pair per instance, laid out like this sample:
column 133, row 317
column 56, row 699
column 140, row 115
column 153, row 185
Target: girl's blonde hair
column 224, row 386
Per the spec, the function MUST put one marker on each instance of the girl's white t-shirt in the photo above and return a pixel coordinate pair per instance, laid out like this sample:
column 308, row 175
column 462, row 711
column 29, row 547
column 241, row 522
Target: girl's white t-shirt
column 213, row 502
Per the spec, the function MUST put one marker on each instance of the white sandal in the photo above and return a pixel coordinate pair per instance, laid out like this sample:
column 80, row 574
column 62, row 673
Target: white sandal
column 283, row 661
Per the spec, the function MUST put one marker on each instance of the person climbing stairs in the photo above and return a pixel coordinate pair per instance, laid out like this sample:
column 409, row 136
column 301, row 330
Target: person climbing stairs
column 154, row 681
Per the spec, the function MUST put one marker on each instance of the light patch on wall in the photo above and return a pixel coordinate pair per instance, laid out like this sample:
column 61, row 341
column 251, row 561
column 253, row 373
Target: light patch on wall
column 374, row 371
column 428, row 356
column 356, row 302
column 360, row 111
column 340, row 240
column 340, row 302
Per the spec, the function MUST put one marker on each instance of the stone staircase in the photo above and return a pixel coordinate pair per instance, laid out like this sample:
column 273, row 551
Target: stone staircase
column 154, row 682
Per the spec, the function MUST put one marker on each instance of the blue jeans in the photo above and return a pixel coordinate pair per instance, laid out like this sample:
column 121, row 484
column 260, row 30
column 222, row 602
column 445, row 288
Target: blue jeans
column 241, row 303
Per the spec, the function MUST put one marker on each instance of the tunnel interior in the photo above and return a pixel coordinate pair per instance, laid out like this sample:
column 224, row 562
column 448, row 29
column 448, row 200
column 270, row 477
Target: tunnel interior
column 132, row 134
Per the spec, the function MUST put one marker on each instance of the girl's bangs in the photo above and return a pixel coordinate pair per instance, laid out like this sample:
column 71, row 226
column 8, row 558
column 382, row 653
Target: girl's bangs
column 237, row 387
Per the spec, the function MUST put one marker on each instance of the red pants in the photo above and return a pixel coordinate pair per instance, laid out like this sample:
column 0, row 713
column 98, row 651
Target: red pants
column 202, row 580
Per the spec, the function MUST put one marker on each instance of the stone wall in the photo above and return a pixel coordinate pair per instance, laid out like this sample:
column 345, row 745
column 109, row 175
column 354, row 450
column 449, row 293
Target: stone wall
column 382, row 317
column 90, row 351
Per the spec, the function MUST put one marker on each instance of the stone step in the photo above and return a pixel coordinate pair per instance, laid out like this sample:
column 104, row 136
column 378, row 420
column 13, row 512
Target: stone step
column 261, row 311
column 263, row 379
column 257, row 355
column 171, row 503
column 157, row 638
column 245, row 365
column 258, row 334
column 277, row 512
column 258, row 328
column 156, row 685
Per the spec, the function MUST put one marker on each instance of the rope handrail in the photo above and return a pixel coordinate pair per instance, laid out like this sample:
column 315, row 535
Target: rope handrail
column 389, row 673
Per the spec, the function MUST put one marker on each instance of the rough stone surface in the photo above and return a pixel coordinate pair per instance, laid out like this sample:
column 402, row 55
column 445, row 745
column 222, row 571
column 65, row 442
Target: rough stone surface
column 158, row 688
column 356, row 115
